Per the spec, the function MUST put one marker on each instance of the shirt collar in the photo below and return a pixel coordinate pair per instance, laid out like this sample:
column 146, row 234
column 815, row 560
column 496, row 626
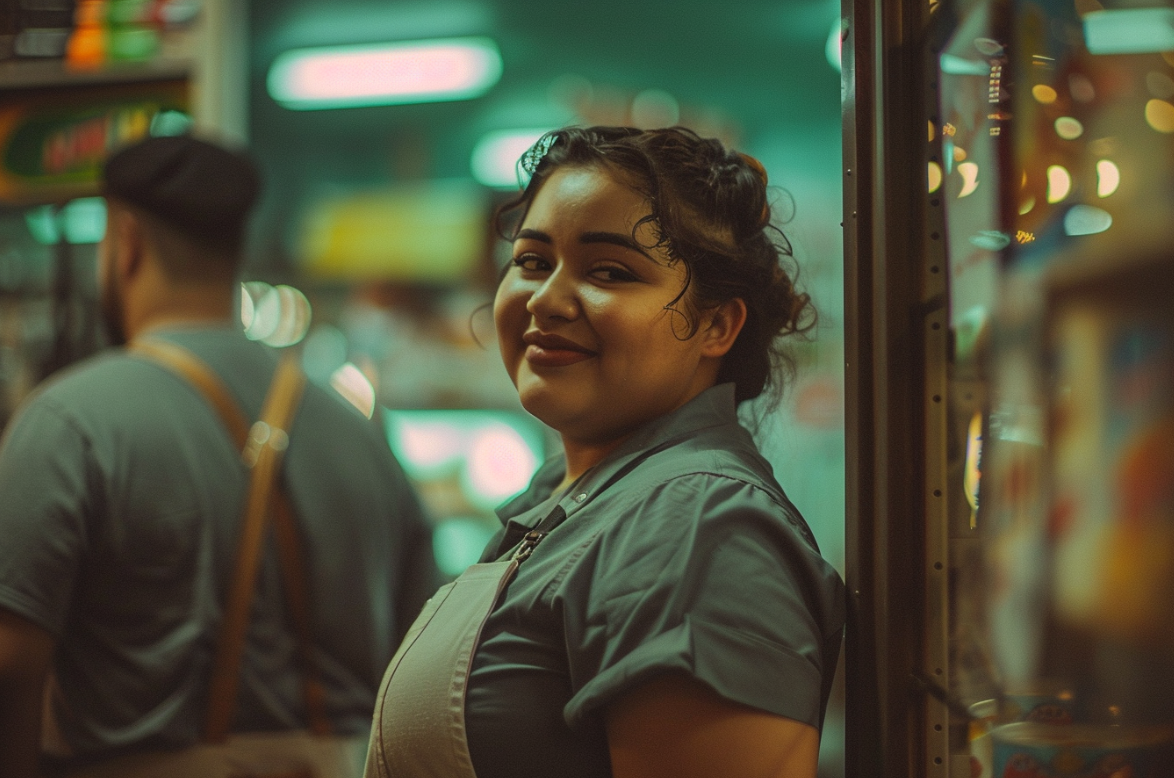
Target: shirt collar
column 713, row 407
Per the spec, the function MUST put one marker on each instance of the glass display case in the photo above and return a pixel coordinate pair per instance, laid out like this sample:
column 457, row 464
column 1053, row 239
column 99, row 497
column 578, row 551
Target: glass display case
column 1057, row 191
column 1008, row 218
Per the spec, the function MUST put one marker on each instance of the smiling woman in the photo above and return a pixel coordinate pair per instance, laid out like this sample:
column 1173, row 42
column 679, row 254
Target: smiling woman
column 655, row 605
column 586, row 321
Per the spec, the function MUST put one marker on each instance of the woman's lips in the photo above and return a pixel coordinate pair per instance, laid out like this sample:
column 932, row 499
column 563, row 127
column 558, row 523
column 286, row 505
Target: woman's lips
column 541, row 357
column 543, row 350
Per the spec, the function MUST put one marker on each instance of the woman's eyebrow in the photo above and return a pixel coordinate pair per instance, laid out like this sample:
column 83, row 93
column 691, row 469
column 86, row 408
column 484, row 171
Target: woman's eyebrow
column 614, row 238
column 533, row 235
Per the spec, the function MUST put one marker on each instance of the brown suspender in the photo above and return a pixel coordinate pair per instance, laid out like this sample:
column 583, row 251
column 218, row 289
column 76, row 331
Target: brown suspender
column 262, row 446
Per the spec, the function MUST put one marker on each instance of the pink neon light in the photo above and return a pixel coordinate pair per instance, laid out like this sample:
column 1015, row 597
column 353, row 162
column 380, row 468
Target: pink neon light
column 363, row 74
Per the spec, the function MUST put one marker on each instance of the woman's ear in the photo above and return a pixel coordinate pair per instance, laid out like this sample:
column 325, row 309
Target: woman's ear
column 725, row 322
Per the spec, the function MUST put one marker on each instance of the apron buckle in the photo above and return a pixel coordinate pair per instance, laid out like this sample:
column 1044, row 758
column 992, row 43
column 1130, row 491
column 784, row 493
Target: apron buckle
column 528, row 544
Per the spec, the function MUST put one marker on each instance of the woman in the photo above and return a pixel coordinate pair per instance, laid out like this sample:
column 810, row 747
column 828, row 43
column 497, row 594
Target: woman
column 658, row 607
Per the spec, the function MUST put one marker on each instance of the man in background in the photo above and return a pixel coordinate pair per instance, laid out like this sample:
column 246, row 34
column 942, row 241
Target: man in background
column 121, row 496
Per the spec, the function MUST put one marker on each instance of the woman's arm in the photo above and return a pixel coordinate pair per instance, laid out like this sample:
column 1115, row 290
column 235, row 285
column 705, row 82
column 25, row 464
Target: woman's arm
column 676, row 727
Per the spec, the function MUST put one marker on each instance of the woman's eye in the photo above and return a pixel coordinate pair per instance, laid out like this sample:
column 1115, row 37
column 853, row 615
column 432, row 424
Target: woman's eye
column 531, row 262
column 614, row 273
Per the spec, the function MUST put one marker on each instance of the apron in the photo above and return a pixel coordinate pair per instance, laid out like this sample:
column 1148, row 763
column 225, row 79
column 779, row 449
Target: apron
column 419, row 729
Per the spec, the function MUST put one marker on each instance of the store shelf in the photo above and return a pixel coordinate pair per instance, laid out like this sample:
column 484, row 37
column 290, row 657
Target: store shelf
column 48, row 73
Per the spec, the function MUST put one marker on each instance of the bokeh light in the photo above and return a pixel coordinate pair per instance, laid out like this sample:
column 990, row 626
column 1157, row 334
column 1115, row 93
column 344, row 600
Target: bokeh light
column 1044, row 94
column 1081, row 88
column 427, row 446
column 833, row 48
column 354, row 387
column 260, row 320
column 1086, row 220
column 495, row 157
column 969, row 173
column 1059, row 183
column 1108, row 178
column 278, row 316
column 499, row 464
column 1069, row 128
column 1159, row 114
column 293, row 317
column 935, row 177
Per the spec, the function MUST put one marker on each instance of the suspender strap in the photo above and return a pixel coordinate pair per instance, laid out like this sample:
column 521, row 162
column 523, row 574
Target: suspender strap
column 202, row 377
column 262, row 447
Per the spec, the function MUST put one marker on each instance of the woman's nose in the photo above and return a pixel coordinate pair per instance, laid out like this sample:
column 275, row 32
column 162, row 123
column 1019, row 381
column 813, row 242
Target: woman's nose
column 555, row 298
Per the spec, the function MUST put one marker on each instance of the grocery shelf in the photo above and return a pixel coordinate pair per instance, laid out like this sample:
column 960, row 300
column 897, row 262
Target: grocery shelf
column 50, row 73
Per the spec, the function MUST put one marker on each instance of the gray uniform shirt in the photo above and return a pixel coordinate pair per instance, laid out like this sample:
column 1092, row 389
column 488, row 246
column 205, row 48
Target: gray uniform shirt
column 120, row 501
column 679, row 553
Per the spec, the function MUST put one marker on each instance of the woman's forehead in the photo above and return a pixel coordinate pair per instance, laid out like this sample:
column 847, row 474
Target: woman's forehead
column 574, row 194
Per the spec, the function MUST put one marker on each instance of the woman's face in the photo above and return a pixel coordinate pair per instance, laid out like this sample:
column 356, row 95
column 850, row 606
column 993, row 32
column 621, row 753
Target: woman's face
column 581, row 313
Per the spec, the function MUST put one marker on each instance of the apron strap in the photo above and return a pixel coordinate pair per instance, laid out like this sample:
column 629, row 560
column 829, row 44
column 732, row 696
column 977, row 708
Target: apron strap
column 262, row 447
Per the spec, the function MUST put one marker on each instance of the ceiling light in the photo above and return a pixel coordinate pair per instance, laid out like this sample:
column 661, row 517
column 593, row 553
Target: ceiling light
column 385, row 74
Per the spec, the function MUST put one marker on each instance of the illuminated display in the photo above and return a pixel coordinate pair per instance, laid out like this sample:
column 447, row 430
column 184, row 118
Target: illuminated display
column 425, row 231
column 388, row 74
column 491, row 454
column 464, row 463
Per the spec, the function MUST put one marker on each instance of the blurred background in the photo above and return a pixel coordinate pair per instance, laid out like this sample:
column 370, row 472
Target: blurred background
column 387, row 133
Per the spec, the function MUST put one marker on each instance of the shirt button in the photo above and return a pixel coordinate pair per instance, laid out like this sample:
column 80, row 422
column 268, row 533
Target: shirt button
column 581, row 497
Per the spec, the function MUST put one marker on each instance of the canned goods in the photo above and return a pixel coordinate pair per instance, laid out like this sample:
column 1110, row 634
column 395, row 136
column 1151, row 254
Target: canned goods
column 1034, row 750
column 982, row 721
column 1045, row 702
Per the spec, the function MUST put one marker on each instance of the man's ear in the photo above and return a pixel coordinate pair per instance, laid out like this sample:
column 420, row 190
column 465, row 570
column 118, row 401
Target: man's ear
column 725, row 322
column 128, row 244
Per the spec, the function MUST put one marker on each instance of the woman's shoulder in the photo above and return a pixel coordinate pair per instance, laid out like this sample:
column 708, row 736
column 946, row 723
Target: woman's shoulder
column 706, row 490
column 722, row 458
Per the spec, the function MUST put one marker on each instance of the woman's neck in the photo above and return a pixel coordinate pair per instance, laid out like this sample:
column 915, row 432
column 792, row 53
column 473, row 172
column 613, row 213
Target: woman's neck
column 581, row 457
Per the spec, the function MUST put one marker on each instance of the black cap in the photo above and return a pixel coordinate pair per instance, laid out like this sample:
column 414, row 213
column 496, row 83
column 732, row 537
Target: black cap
column 204, row 190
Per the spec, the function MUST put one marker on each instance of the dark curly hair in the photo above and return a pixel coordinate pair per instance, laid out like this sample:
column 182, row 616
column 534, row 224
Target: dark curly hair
column 709, row 210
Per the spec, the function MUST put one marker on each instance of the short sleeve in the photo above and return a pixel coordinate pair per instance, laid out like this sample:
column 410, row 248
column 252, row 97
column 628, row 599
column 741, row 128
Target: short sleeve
column 708, row 576
column 43, row 494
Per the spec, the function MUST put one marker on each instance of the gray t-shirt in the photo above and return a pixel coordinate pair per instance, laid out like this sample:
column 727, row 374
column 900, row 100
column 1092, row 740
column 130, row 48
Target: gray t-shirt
column 678, row 553
column 120, row 501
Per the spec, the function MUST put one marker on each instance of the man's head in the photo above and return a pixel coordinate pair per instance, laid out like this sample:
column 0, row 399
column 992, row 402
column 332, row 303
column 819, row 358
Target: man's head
column 177, row 208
